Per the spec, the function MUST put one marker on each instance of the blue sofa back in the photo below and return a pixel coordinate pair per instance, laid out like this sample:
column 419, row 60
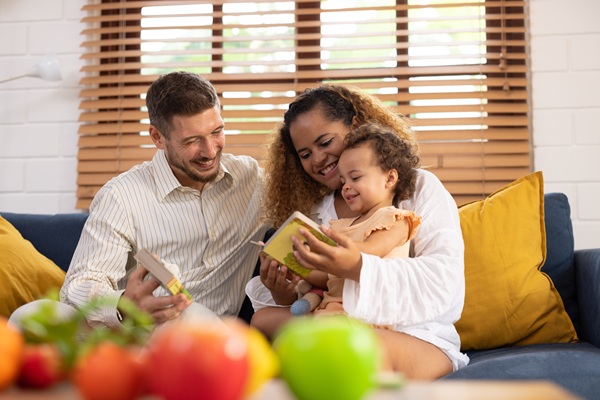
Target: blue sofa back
column 56, row 236
column 560, row 241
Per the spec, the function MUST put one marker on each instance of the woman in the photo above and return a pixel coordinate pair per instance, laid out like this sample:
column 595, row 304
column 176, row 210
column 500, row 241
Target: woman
column 421, row 296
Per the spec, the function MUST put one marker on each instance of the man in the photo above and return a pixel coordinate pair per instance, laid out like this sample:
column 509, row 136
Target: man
column 192, row 205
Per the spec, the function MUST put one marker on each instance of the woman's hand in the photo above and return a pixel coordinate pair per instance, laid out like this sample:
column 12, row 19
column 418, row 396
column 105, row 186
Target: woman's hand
column 343, row 260
column 280, row 282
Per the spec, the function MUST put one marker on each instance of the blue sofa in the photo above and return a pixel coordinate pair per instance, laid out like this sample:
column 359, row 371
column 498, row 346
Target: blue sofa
column 576, row 275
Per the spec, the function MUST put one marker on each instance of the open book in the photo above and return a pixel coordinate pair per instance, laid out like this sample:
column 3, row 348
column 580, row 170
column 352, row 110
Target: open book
column 280, row 247
column 159, row 270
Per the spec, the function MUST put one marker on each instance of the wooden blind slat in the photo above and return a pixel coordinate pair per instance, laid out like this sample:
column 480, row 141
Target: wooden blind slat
column 467, row 95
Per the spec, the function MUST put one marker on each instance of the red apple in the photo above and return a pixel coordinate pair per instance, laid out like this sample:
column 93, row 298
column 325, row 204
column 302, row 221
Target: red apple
column 41, row 366
column 197, row 361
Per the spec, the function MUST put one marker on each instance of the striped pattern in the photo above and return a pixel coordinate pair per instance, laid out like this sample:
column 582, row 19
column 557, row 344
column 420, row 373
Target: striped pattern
column 205, row 234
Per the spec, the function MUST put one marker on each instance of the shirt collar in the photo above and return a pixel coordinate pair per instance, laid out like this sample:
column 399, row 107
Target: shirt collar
column 166, row 181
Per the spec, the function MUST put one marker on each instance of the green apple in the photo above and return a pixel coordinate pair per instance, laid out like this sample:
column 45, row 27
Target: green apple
column 328, row 357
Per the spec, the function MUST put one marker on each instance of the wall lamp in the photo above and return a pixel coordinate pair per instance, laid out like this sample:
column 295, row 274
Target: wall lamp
column 46, row 68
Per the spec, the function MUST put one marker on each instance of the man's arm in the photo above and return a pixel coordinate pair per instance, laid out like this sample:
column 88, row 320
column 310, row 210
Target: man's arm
column 101, row 260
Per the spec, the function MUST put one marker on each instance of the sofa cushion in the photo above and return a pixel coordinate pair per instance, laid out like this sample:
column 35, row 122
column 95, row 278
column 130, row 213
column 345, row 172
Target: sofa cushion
column 26, row 275
column 508, row 300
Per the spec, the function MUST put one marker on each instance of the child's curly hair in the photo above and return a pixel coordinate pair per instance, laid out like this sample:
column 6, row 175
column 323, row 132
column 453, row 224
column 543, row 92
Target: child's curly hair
column 289, row 187
column 390, row 152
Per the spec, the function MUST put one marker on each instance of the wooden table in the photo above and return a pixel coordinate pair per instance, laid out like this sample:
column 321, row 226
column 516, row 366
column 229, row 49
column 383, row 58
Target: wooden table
column 446, row 390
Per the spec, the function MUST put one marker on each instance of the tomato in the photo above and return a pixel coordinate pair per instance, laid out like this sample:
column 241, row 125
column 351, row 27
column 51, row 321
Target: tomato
column 328, row 357
column 41, row 367
column 197, row 361
column 109, row 371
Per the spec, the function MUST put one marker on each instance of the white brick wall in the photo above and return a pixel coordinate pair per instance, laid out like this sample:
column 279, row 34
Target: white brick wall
column 565, row 66
column 38, row 120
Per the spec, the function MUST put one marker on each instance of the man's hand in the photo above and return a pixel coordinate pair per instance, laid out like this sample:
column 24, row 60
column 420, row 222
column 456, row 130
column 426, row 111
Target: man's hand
column 280, row 282
column 343, row 260
column 163, row 308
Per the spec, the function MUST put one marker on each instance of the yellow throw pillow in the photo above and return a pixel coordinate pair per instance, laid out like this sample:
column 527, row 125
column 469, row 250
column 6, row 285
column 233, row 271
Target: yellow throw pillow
column 508, row 300
column 25, row 274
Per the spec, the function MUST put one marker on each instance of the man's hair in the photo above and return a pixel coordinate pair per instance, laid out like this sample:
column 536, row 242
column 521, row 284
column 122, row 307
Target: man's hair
column 178, row 93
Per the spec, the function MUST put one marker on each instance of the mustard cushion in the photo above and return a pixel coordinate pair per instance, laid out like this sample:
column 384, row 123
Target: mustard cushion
column 508, row 300
column 25, row 274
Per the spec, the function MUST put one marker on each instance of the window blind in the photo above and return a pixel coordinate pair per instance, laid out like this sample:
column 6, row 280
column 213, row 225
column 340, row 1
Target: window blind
column 458, row 69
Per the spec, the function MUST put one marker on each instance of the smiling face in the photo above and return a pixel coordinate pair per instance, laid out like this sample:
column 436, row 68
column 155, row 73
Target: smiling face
column 365, row 186
column 319, row 143
column 194, row 146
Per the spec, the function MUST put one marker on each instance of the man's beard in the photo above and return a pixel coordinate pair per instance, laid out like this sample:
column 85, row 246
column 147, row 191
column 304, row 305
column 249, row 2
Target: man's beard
column 195, row 176
column 192, row 173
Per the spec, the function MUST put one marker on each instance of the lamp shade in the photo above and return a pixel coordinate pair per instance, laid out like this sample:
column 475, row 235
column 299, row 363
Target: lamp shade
column 46, row 68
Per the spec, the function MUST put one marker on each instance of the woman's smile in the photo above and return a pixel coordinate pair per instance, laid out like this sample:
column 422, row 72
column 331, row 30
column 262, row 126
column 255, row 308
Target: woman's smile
column 328, row 169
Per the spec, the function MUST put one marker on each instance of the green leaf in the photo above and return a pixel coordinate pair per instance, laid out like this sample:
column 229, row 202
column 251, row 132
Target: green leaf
column 73, row 336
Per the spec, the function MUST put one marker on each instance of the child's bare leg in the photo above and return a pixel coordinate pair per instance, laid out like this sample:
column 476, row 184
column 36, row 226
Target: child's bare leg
column 268, row 320
column 415, row 358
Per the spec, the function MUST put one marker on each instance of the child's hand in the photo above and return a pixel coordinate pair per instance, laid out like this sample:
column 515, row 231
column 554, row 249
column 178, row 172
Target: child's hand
column 280, row 282
column 343, row 260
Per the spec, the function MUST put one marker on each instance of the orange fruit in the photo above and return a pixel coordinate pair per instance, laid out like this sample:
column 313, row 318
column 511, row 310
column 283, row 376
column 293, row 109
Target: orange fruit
column 11, row 352
column 263, row 362
column 109, row 371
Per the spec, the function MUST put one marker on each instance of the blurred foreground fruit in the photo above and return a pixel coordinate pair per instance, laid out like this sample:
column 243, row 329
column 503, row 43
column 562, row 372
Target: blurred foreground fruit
column 328, row 357
column 42, row 366
column 11, row 350
column 263, row 362
column 109, row 371
column 208, row 360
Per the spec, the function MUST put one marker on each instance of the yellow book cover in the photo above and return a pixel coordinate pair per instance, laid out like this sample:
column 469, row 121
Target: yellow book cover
column 280, row 247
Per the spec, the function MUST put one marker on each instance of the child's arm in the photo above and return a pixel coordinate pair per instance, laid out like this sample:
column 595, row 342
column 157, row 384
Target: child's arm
column 383, row 241
column 318, row 279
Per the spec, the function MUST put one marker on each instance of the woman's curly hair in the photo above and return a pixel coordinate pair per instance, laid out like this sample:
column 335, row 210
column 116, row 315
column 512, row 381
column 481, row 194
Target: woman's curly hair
column 390, row 152
column 289, row 187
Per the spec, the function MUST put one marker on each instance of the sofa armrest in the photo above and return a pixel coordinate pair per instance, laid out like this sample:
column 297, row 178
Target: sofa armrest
column 587, row 278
